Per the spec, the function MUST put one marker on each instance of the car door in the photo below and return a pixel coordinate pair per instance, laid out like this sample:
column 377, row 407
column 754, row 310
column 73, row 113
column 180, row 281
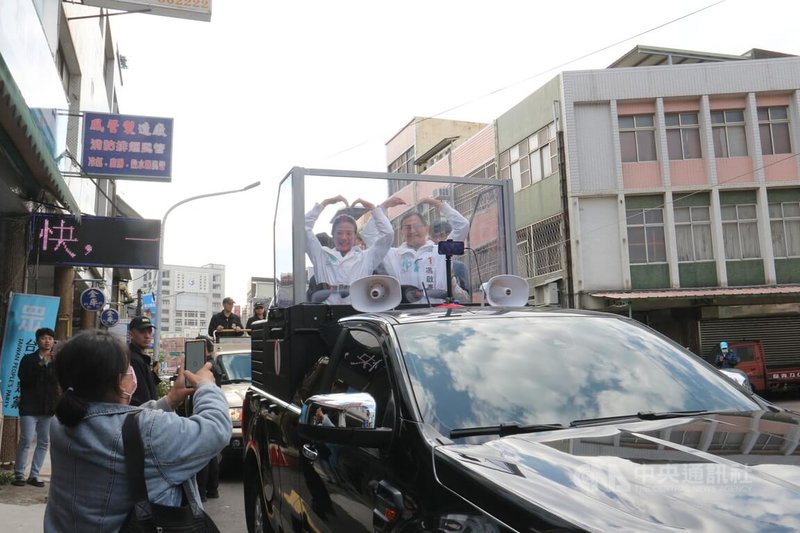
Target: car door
column 337, row 482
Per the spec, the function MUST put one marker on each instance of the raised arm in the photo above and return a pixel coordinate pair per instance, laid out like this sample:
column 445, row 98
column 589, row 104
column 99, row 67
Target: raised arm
column 370, row 232
column 313, row 247
column 377, row 249
column 459, row 223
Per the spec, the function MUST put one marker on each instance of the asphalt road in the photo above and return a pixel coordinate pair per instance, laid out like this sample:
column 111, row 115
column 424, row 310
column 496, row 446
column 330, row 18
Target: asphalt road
column 228, row 510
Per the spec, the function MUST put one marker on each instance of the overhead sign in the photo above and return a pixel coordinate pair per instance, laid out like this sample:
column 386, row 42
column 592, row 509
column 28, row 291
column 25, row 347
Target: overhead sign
column 127, row 146
column 109, row 318
column 182, row 9
column 95, row 241
column 26, row 314
column 93, row 299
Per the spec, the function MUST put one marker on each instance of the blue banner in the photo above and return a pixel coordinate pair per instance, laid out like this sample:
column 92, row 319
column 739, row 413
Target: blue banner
column 127, row 146
column 26, row 314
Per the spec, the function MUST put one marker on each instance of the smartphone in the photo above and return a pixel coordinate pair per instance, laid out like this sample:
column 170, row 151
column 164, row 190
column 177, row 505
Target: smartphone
column 451, row 247
column 194, row 356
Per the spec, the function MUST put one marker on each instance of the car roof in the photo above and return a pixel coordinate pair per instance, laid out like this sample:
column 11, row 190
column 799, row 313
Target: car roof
column 427, row 314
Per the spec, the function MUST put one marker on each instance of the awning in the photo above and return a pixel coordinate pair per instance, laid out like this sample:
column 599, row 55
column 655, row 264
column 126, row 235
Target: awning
column 697, row 293
column 20, row 127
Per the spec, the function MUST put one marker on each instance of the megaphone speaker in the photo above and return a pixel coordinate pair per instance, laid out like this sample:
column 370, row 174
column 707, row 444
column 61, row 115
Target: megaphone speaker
column 375, row 293
column 506, row 291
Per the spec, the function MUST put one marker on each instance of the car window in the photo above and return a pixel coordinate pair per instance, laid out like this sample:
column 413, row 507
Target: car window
column 544, row 369
column 235, row 366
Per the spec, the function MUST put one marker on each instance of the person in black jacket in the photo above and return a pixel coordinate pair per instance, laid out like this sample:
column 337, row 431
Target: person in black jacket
column 259, row 313
column 141, row 335
column 225, row 319
column 37, row 403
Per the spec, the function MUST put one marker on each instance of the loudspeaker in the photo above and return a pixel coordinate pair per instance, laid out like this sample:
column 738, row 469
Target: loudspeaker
column 375, row 293
column 506, row 291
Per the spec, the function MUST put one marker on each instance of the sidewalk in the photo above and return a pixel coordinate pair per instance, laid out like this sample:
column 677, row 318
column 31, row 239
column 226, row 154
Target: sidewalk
column 22, row 508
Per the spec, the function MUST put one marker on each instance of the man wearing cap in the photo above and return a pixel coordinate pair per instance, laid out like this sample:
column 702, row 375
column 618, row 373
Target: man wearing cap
column 725, row 358
column 259, row 313
column 140, row 331
column 225, row 319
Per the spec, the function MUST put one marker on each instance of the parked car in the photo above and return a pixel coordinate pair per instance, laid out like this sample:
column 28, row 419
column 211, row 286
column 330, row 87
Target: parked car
column 232, row 370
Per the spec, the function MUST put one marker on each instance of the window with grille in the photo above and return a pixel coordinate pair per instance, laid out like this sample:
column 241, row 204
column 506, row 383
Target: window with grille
column 646, row 236
column 784, row 222
column 740, row 231
column 402, row 165
column 683, row 136
column 471, row 199
column 693, row 233
column 773, row 127
column 637, row 138
column 539, row 247
column 728, row 130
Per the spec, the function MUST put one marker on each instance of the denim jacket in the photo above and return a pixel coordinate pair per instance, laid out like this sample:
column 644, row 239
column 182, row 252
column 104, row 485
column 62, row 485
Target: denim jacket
column 89, row 483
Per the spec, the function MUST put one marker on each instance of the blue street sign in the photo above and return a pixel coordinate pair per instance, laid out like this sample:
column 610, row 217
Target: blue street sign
column 109, row 318
column 93, row 299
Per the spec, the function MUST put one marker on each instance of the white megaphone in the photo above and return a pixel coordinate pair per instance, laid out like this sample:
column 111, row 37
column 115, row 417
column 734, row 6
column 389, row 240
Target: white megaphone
column 506, row 291
column 375, row 293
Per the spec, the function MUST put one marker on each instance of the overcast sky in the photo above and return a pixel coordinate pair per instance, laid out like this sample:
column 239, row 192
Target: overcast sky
column 266, row 86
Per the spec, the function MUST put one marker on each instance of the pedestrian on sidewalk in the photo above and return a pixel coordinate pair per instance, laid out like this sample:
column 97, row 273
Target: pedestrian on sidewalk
column 89, row 488
column 37, row 403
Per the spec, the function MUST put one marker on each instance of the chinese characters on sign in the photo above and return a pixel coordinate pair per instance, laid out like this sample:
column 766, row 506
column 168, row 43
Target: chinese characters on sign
column 109, row 318
column 93, row 299
column 127, row 146
column 95, row 241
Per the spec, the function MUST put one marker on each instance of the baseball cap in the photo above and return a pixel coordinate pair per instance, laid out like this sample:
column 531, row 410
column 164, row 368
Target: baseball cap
column 141, row 322
column 259, row 304
column 723, row 345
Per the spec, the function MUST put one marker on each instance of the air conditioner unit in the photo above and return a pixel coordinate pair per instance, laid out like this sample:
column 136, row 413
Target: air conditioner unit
column 550, row 293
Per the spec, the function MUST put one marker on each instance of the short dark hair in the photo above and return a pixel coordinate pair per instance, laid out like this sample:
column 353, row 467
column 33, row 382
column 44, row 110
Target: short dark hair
column 41, row 332
column 228, row 300
column 441, row 226
column 412, row 213
column 344, row 218
column 88, row 368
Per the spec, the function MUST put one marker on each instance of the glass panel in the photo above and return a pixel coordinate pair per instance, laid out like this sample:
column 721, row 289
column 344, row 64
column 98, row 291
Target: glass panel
column 643, row 121
column 546, row 167
column 763, row 113
column 750, row 246
column 636, row 245
column 734, row 116
column 691, row 143
column 717, row 117
column 656, row 249
column 778, row 113
column 737, row 142
column 683, row 238
column 688, row 119
column 728, row 212
column 681, row 215
column 634, row 216
column 525, row 178
column 536, row 166
column 523, row 147
column 654, row 216
column 792, row 228
column 504, row 159
column 516, row 175
column 791, row 209
column 505, row 173
column 283, row 246
column 700, row 214
column 775, row 211
column 533, row 142
column 778, row 238
column 730, row 236
column 514, row 152
column 626, row 122
column 671, row 119
column 674, row 144
column 780, row 137
column 703, row 249
column 646, row 144
column 720, row 142
column 627, row 141
column 747, row 212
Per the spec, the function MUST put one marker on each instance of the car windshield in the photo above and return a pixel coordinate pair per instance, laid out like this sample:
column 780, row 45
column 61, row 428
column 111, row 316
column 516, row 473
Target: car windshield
column 234, row 366
column 547, row 369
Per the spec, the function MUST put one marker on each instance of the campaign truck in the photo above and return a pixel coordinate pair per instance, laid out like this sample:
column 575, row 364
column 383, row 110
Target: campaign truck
column 393, row 412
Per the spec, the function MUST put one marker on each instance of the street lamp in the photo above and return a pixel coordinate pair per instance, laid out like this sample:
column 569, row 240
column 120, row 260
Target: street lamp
column 156, row 333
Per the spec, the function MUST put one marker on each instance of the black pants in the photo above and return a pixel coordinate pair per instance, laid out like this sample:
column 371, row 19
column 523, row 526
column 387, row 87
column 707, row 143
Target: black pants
column 208, row 477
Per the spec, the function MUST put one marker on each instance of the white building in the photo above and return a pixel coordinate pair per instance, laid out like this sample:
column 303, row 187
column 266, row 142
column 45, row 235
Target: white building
column 189, row 297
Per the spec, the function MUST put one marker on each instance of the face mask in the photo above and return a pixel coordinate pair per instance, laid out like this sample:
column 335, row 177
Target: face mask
column 132, row 374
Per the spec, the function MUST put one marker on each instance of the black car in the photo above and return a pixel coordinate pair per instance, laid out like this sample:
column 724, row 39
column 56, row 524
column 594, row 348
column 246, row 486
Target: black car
column 487, row 419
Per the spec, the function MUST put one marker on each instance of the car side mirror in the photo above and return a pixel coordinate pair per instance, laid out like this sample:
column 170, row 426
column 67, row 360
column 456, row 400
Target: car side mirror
column 344, row 418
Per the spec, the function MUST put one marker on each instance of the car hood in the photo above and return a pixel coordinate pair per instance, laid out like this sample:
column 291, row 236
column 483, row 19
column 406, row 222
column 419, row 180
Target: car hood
column 721, row 472
column 234, row 393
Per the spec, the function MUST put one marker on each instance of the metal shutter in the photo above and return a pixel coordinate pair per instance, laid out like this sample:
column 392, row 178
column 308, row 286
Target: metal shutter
column 780, row 336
